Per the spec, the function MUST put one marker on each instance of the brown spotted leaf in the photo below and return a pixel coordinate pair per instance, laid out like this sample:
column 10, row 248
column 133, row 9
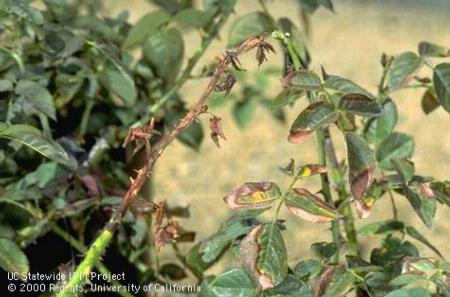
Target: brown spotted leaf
column 361, row 163
column 253, row 195
column 264, row 254
column 311, row 169
column 317, row 115
column 309, row 207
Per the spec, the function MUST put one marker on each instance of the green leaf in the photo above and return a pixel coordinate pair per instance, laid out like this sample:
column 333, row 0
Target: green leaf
column 38, row 96
column 145, row 26
column 361, row 163
column 377, row 129
column 418, row 292
column 345, row 86
column 192, row 136
column 253, row 195
column 395, row 146
column 425, row 207
column 310, row 6
column 317, row 115
column 119, row 83
column 327, row 4
column 215, row 5
column 192, row 17
column 235, row 282
column 248, row 25
column 413, row 292
column 441, row 80
column 212, row 247
column 164, row 51
column 305, row 80
column 5, row 85
column 388, row 226
column 308, row 269
column 290, row 287
column 340, row 283
column 243, row 112
column 34, row 139
column 414, row 233
column 402, row 68
column 398, row 293
column 360, row 105
column 12, row 259
column 405, row 279
column 324, row 250
column 172, row 271
column 428, row 49
column 263, row 252
column 405, row 168
column 309, row 207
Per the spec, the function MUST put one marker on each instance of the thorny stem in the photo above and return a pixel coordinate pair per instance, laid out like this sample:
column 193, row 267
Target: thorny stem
column 101, row 243
column 80, row 247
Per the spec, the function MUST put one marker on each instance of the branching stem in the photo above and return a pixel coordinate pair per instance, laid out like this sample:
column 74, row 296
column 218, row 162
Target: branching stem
column 100, row 244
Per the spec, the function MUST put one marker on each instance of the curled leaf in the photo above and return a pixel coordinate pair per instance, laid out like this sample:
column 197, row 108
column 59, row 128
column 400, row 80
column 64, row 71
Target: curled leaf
column 253, row 195
column 171, row 231
column 309, row 207
column 289, row 169
column 261, row 51
column 317, row 115
column 311, row 169
column 216, row 129
column 227, row 83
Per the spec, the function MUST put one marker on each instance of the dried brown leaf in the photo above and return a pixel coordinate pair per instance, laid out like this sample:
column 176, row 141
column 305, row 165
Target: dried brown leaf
column 216, row 129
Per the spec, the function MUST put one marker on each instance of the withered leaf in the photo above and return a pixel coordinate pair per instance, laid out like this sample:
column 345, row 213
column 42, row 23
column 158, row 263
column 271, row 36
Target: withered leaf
column 309, row 207
column 216, row 129
column 261, row 51
column 169, row 232
column 253, row 195
column 289, row 169
column 226, row 84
